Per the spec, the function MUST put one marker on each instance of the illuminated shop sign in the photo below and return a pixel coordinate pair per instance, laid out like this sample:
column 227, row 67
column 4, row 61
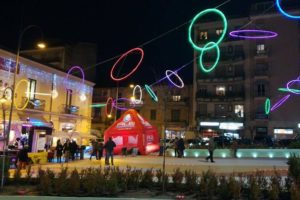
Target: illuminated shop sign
column 230, row 125
column 126, row 122
column 209, row 124
column 283, row 131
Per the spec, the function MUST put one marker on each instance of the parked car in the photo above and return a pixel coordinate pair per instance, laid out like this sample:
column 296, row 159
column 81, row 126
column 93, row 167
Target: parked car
column 223, row 141
column 287, row 142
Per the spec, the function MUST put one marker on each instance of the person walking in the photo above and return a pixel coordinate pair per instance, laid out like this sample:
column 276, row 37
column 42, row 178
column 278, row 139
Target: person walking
column 59, row 150
column 94, row 149
column 73, row 149
column 109, row 148
column 181, row 147
column 100, row 151
column 176, row 150
column 66, row 150
column 211, row 148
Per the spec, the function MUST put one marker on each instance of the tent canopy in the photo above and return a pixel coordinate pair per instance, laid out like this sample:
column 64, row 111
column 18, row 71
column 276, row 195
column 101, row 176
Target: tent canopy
column 131, row 130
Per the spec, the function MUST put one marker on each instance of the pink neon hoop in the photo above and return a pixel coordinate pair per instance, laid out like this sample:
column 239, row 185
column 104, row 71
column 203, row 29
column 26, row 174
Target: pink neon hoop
column 71, row 69
column 112, row 105
column 132, row 71
column 169, row 73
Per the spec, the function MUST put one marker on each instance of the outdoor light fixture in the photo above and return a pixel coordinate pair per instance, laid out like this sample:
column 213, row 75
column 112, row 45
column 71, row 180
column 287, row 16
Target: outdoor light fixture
column 82, row 97
column 54, row 94
column 41, row 45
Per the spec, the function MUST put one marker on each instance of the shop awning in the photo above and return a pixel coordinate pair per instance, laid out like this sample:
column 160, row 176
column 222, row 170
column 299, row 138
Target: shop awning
column 35, row 120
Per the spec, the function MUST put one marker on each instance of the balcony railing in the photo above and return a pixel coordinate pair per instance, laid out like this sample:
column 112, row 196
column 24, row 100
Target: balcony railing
column 213, row 96
column 261, row 115
column 70, row 109
column 262, row 53
column 213, row 117
column 221, row 76
column 36, row 104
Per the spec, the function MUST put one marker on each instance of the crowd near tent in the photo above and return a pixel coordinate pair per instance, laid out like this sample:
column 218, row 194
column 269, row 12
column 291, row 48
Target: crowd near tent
column 131, row 130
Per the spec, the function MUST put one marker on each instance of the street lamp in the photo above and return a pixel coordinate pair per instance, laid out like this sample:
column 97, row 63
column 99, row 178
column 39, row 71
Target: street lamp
column 7, row 131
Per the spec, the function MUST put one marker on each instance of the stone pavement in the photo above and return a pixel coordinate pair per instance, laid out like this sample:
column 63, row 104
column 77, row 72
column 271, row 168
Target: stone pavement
column 67, row 198
column 221, row 165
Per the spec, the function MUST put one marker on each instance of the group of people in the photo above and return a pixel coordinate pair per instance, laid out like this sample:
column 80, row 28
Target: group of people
column 179, row 147
column 68, row 149
column 98, row 147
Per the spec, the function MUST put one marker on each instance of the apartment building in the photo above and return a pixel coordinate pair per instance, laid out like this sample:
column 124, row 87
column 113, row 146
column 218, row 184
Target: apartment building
column 231, row 99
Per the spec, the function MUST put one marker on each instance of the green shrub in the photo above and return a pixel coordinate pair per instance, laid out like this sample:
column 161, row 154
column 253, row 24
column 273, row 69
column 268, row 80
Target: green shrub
column 274, row 189
column 254, row 189
column 191, row 181
column 147, row 179
column 73, row 184
column 60, row 183
column 208, row 184
column 177, row 178
column 234, row 187
column 294, row 168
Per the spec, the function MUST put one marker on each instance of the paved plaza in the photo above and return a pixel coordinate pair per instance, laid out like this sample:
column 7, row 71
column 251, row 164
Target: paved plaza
column 221, row 165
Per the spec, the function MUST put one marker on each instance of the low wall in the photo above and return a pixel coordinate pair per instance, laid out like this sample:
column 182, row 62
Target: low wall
column 241, row 153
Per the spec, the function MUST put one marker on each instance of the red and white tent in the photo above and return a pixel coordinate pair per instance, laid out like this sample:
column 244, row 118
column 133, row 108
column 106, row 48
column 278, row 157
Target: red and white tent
column 131, row 130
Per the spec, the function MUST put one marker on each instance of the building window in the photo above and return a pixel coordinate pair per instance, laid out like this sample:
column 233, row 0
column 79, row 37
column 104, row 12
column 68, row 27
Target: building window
column 260, row 48
column 220, row 110
column 260, row 90
column 202, row 109
column 220, row 90
column 119, row 95
column 176, row 98
column 203, row 35
column 31, row 89
column 202, row 90
column 97, row 112
column 219, row 31
column 69, row 98
column 152, row 114
column 239, row 110
column 175, row 115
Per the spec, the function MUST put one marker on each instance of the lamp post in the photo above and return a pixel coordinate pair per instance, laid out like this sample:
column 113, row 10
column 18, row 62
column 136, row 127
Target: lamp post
column 7, row 131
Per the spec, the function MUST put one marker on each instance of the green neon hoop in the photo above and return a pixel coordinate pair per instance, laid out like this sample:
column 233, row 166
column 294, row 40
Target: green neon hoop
column 267, row 106
column 151, row 93
column 202, row 67
column 286, row 90
column 213, row 10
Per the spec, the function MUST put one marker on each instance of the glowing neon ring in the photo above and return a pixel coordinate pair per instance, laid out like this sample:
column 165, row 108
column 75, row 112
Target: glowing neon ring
column 286, row 90
column 280, row 102
column 112, row 105
column 292, row 90
column 80, row 69
column 141, row 94
column 202, row 67
column 213, row 10
column 285, row 13
column 264, row 34
column 132, row 71
column 121, row 99
column 151, row 93
column 17, row 86
column 267, row 106
column 175, row 74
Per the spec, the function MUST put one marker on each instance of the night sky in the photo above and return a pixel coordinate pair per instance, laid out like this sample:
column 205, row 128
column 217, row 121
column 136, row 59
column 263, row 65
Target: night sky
column 116, row 26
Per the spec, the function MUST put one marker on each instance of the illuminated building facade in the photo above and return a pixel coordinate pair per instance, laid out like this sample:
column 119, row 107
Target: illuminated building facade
column 231, row 99
column 47, row 105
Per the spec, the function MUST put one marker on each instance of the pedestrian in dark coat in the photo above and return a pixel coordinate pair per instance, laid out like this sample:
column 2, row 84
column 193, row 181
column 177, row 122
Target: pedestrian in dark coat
column 109, row 148
column 59, row 151
column 181, row 147
column 211, row 148
column 66, row 150
column 73, row 149
column 23, row 157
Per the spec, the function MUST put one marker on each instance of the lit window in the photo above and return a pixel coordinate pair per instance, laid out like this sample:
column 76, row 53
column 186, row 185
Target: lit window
column 203, row 35
column 239, row 110
column 260, row 48
column 219, row 31
column 31, row 88
column 176, row 98
column 220, row 90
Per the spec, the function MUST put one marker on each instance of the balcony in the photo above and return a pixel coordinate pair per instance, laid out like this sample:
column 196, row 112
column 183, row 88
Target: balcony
column 221, row 77
column 36, row 104
column 228, row 117
column 177, row 123
column 261, row 115
column 261, row 73
column 261, row 53
column 70, row 109
column 181, row 102
column 230, row 96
